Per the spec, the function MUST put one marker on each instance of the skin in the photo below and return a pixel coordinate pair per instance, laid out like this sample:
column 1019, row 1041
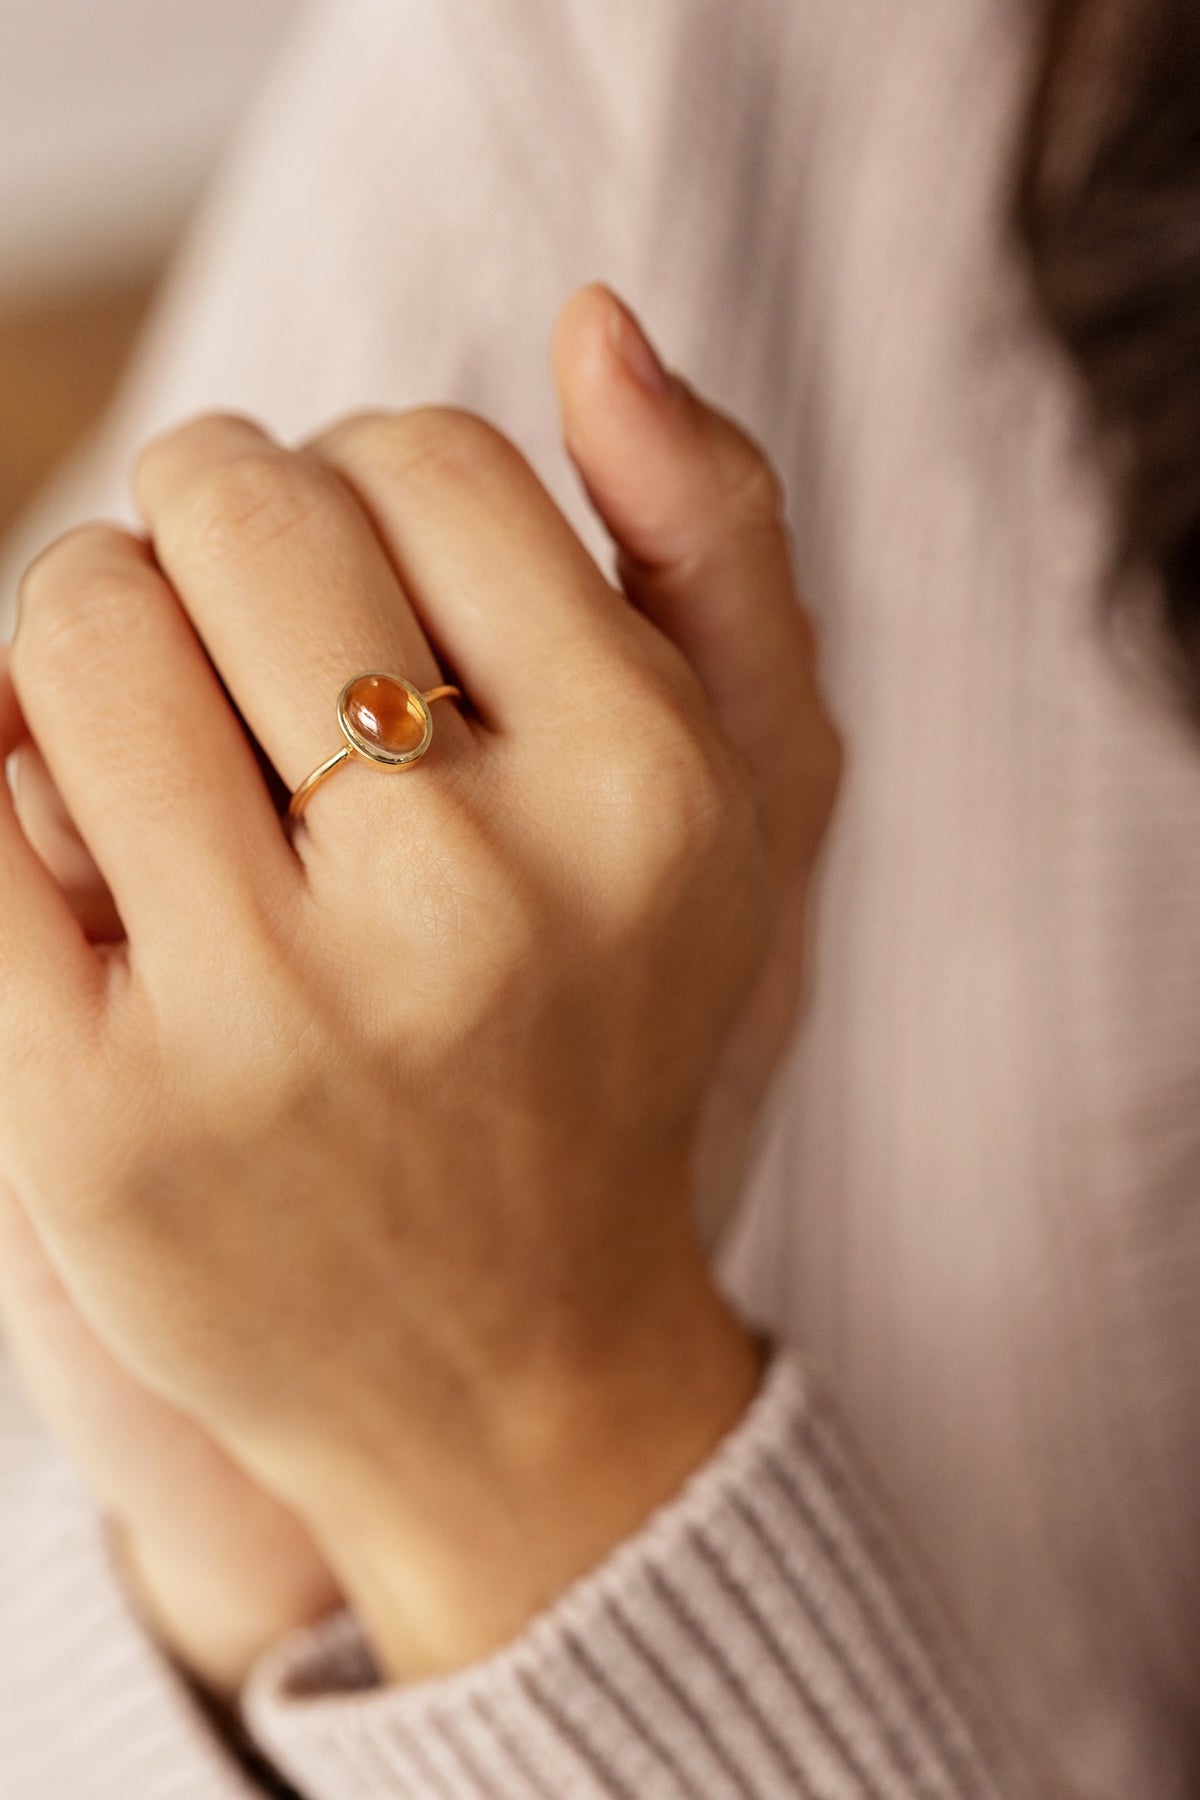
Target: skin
column 349, row 1230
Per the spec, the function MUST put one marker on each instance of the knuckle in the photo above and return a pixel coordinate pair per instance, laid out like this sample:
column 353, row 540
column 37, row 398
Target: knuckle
column 355, row 433
column 690, row 790
column 248, row 502
column 832, row 757
column 190, row 441
column 430, row 446
column 75, row 620
column 752, row 497
column 666, row 803
column 87, row 544
column 821, row 753
column 827, row 764
column 814, row 777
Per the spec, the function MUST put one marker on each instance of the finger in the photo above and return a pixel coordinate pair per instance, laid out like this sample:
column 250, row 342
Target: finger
column 285, row 581
column 50, row 980
column 150, row 760
column 51, row 831
column 494, row 569
column 31, row 1293
column 696, row 513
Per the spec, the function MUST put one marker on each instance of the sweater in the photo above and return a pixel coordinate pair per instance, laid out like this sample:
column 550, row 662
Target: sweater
column 967, row 1215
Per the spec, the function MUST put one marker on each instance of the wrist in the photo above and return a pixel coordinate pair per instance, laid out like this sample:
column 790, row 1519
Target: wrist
column 447, row 1554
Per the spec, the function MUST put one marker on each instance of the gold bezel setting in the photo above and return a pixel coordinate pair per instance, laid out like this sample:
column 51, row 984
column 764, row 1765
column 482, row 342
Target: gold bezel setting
column 358, row 747
column 374, row 752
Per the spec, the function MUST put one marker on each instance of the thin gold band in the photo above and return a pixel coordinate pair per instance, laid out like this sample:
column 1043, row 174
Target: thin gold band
column 353, row 748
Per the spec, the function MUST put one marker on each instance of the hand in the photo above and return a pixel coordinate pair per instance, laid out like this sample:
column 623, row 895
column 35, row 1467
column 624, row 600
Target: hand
column 372, row 1156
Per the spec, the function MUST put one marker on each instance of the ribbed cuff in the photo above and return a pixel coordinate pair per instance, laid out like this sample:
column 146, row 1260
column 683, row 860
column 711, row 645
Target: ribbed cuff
column 762, row 1636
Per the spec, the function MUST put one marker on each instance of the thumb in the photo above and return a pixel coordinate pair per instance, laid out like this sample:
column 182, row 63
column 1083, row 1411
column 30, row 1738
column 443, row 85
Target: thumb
column 696, row 513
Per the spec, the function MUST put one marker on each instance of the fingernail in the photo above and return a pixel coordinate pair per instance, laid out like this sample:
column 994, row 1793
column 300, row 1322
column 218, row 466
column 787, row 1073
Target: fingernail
column 637, row 352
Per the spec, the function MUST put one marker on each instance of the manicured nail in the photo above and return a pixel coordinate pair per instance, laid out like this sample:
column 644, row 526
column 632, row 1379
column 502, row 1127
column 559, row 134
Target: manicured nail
column 637, row 352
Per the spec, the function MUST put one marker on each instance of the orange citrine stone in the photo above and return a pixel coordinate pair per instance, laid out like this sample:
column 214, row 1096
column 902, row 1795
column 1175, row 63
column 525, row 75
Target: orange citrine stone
column 384, row 715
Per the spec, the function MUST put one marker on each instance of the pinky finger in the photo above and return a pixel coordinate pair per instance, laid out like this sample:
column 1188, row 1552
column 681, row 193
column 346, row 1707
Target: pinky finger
column 51, row 981
column 54, row 836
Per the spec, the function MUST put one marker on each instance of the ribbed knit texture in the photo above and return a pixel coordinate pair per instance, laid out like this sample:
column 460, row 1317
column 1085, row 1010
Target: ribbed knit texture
column 760, row 1637
column 974, row 1199
column 764, row 1635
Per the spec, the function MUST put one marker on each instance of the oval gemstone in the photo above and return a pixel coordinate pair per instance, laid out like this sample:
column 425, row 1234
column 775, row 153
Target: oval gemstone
column 384, row 715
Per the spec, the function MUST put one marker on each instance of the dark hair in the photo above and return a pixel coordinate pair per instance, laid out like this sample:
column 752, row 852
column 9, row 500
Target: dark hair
column 1109, row 206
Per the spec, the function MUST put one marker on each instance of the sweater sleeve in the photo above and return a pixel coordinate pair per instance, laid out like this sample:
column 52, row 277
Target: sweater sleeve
column 762, row 1636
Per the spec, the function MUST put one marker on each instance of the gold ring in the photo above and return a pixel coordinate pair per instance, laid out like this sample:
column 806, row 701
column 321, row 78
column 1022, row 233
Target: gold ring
column 385, row 720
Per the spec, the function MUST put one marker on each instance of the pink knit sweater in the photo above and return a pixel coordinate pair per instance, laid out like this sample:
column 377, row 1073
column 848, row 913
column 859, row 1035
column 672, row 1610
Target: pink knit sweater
column 972, row 1201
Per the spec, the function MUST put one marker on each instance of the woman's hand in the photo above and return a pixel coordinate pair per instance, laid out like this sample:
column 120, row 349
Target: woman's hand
column 371, row 1155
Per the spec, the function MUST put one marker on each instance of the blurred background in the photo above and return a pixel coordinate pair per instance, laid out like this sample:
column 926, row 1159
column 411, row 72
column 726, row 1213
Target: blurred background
column 112, row 114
